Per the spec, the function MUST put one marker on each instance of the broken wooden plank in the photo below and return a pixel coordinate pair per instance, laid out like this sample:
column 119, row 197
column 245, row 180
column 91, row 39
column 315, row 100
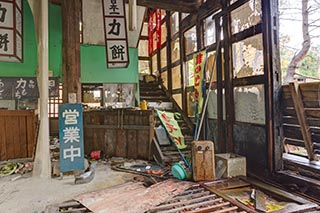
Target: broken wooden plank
column 276, row 192
column 232, row 208
column 192, row 206
column 210, row 208
column 299, row 108
column 137, row 198
column 183, row 203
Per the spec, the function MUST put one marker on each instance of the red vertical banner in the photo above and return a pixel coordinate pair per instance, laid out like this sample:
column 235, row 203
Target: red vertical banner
column 158, row 27
column 150, row 32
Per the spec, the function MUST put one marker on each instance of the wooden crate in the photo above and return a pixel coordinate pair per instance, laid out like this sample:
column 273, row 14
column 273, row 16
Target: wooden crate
column 119, row 132
column 203, row 160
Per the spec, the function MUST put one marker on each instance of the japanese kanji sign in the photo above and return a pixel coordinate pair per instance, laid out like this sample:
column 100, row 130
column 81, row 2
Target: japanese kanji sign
column 154, row 26
column 199, row 61
column 115, row 31
column 11, row 30
column 25, row 87
column 172, row 127
column 71, row 137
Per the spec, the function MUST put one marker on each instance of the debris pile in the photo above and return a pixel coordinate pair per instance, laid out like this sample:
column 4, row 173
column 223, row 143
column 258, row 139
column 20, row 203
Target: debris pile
column 10, row 168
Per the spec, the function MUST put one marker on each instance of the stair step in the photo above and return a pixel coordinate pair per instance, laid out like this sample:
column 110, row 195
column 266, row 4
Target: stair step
column 154, row 98
column 171, row 159
column 152, row 93
column 171, row 153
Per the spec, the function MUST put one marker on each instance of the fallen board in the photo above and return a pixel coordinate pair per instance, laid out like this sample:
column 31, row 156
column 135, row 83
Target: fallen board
column 132, row 197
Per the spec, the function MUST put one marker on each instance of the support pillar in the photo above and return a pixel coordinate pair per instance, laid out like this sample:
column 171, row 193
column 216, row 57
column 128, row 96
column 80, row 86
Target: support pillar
column 71, row 11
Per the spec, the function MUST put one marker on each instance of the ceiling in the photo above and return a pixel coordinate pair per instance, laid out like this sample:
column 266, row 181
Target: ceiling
column 184, row 6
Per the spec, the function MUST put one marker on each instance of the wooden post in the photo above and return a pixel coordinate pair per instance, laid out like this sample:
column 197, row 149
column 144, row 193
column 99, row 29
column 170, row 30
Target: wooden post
column 71, row 10
column 304, row 126
column 42, row 163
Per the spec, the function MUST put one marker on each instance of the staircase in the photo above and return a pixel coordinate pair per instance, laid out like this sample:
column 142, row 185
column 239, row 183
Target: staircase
column 157, row 98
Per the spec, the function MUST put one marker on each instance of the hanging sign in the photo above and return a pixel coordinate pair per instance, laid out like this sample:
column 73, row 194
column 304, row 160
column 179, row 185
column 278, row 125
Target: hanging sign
column 150, row 32
column 11, row 31
column 20, row 88
column 172, row 127
column 154, row 26
column 71, row 137
column 115, row 31
column 158, row 27
column 199, row 61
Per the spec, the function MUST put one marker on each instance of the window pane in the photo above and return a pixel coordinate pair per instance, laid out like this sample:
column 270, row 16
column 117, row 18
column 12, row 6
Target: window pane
column 163, row 57
column 248, row 57
column 183, row 15
column 144, row 67
column 210, row 60
column 176, row 77
column 190, row 73
column 190, row 38
column 155, row 65
column 246, row 16
column 213, row 104
column 164, row 77
column 174, row 23
column 209, row 31
column 163, row 14
column 178, row 99
column 144, row 31
column 249, row 104
column 163, row 33
column 175, row 50
column 191, row 104
column 143, row 48
column 154, row 41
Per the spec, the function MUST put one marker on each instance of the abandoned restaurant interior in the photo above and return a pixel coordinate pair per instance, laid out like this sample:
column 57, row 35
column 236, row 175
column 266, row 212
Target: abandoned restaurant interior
column 183, row 99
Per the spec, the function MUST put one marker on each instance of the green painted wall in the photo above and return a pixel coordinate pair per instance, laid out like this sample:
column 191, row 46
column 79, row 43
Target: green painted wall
column 29, row 65
column 94, row 67
column 55, row 39
column 93, row 58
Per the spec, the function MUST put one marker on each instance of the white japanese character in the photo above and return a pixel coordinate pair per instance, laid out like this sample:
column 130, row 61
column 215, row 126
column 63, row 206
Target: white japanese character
column 71, row 116
column 31, row 84
column 71, row 134
column 71, row 153
column 21, row 83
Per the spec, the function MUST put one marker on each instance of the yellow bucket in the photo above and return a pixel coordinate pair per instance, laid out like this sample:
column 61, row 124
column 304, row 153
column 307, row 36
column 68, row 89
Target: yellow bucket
column 143, row 105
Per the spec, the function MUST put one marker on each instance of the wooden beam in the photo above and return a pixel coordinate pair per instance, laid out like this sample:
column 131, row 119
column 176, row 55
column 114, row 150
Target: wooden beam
column 71, row 50
column 183, row 6
column 299, row 108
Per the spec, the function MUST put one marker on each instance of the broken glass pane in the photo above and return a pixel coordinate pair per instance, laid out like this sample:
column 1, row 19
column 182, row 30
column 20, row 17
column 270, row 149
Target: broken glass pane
column 249, row 104
column 178, row 99
column 174, row 23
column 163, row 57
column 190, row 73
column 175, row 50
column 164, row 77
column 143, row 48
column 144, row 67
column 246, row 16
column 176, row 77
column 248, row 57
column 155, row 70
column 209, row 31
column 190, row 38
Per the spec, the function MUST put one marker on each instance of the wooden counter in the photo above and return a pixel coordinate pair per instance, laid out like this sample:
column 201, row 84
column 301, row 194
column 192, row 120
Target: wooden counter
column 17, row 134
column 119, row 132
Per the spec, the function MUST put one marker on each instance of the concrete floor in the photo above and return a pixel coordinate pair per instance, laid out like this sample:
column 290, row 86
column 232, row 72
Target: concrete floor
column 29, row 194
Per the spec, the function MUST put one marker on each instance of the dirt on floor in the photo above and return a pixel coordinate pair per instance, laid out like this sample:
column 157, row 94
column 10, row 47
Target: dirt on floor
column 28, row 194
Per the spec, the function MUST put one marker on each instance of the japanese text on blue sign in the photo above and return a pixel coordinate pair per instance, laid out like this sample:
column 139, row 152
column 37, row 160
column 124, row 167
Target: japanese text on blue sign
column 71, row 137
